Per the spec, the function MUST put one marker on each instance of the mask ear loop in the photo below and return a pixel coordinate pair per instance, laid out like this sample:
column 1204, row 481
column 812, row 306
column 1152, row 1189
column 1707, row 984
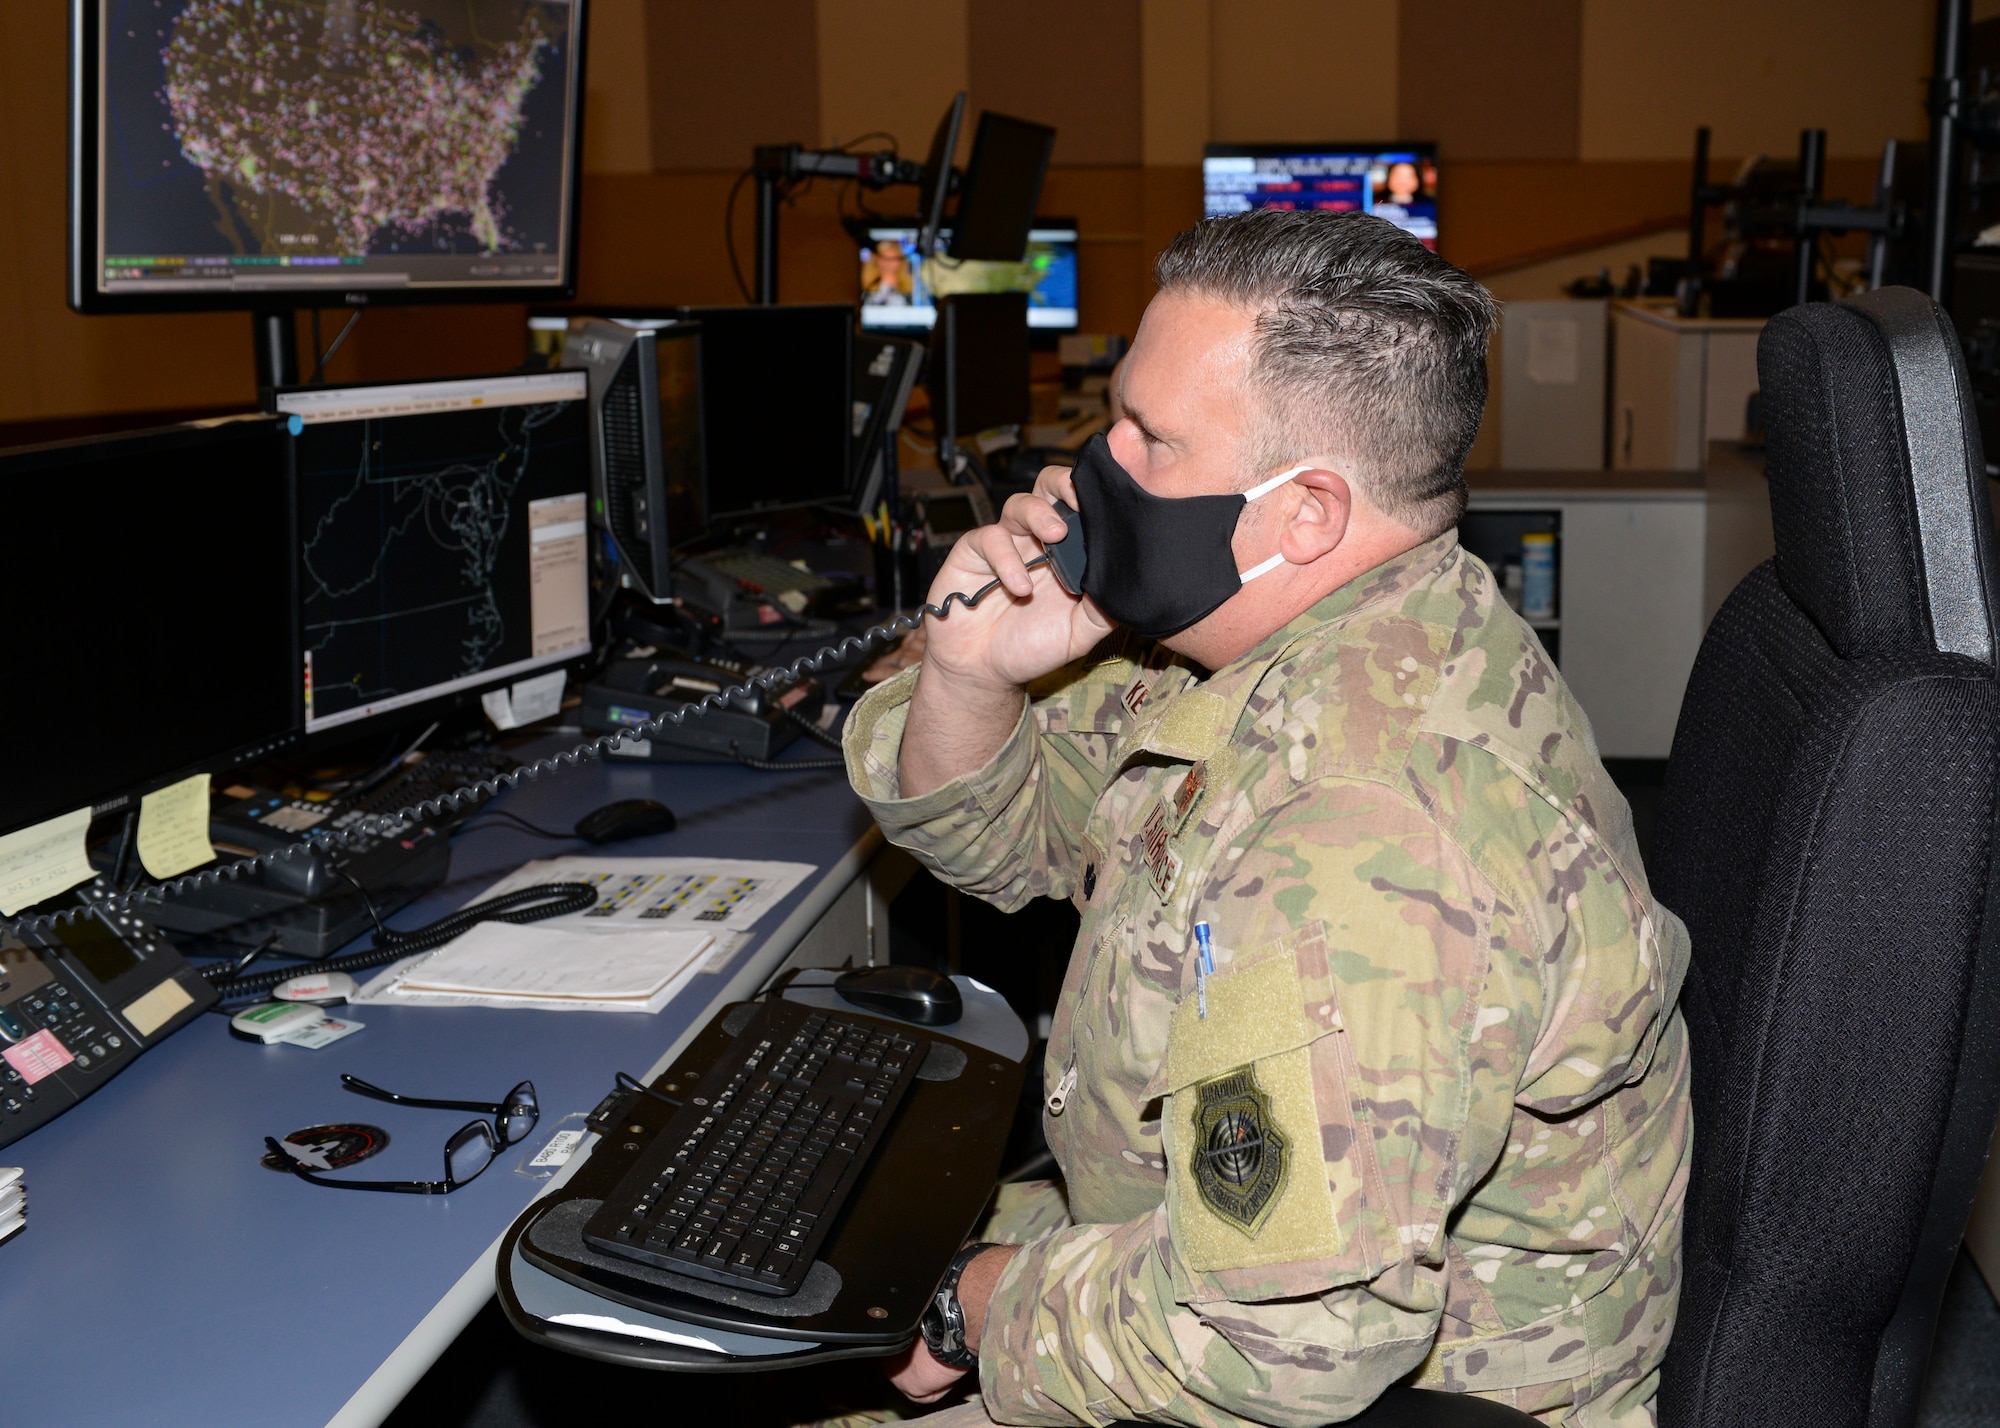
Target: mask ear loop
column 1265, row 567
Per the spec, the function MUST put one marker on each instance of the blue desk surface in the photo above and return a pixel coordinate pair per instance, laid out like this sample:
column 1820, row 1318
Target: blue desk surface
column 165, row 1278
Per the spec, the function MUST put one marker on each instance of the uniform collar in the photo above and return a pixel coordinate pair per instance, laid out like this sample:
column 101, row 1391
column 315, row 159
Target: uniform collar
column 1387, row 583
column 1203, row 716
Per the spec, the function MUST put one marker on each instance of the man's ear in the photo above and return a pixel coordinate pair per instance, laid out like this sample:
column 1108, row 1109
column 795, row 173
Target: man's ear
column 1318, row 522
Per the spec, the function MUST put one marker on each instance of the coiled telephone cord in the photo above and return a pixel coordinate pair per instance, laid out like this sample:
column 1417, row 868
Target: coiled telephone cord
column 385, row 824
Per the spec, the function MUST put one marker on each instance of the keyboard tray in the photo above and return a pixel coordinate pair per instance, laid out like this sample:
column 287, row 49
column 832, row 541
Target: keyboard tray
column 917, row 1201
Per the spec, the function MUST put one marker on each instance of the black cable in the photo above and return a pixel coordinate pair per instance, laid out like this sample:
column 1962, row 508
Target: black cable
column 628, row 1082
column 782, row 765
column 811, row 729
column 366, row 901
column 382, row 825
column 871, row 134
column 534, row 828
column 729, row 232
column 522, row 905
column 373, row 778
column 124, row 850
column 319, row 367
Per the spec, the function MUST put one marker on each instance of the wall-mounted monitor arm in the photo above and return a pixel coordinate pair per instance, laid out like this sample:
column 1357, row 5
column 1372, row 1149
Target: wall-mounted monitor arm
column 775, row 165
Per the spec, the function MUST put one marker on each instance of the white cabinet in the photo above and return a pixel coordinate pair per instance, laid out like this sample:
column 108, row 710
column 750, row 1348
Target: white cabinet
column 1552, row 374
column 1642, row 561
column 1677, row 384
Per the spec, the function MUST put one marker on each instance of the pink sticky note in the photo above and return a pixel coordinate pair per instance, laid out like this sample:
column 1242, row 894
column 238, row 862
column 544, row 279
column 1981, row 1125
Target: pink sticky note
column 40, row 1055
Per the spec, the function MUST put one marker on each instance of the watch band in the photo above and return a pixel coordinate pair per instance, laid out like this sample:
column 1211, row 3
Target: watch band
column 943, row 1321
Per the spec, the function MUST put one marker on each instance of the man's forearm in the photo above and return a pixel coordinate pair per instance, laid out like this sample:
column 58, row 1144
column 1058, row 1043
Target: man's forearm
column 955, row 727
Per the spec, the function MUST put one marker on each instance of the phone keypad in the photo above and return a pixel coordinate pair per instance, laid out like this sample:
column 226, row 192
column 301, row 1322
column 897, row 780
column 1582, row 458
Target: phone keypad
column 82, row 1027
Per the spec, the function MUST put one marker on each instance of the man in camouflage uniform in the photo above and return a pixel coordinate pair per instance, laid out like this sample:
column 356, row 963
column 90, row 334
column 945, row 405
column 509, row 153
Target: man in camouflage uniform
column 1426, row 1119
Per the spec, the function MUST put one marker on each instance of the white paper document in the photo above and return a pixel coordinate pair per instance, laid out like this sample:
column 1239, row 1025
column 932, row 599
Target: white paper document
column 547, row 968
column 663, row 894
column 526, row 700
column 502, row 959
column 605, row 1324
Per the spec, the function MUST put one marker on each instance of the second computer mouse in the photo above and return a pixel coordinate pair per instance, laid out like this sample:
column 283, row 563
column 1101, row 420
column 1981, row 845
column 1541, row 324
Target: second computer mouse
column 910, row 993
column 320, row 988
column 627, row 818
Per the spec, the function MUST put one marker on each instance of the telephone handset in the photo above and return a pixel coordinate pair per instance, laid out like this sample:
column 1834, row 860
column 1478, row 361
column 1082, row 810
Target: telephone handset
column 79, row 999
column 1067, row 557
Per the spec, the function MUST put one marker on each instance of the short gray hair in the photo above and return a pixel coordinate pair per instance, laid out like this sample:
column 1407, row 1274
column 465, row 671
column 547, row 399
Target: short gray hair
column 1368, row 346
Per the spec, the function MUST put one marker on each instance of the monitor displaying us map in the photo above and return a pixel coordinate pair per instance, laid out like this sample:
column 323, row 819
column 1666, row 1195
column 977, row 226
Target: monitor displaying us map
column 278, row 147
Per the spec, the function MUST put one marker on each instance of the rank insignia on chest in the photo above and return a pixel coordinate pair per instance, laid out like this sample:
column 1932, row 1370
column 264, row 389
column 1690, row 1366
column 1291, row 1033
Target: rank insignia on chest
column 1189, row 795
column 1163, row 864
column 1239, row 1159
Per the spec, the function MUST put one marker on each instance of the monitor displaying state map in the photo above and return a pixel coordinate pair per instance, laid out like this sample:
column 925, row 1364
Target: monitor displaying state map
column 442, row 543
column 293, row 153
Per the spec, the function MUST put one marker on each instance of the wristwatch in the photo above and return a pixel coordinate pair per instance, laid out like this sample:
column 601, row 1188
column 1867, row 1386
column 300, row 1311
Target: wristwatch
column 943, row 1324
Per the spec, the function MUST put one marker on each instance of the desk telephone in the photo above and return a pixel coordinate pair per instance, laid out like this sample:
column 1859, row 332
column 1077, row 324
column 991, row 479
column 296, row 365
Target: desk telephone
column 78, row 1000
column 649, row 680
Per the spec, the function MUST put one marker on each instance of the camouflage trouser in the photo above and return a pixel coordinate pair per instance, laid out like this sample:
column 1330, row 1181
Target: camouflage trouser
column 1020, row 1214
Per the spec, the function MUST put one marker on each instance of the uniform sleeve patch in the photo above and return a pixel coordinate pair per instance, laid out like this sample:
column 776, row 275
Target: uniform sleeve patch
column 1250, row 1199
column 1239, row 1159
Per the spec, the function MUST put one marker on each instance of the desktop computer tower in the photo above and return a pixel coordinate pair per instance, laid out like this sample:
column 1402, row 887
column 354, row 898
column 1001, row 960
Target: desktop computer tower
column 646, row 438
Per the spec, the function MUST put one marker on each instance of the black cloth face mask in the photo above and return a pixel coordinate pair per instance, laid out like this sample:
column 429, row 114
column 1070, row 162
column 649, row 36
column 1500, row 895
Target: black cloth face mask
column 1157, row 564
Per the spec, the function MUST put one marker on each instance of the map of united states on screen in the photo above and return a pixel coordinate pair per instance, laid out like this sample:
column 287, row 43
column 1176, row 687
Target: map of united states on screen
column 346, row 117
column 253, row 144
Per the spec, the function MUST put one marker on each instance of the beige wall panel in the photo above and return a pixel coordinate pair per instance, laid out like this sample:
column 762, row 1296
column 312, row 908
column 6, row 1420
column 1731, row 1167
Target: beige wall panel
column 617, row 110
column 1303, row 69
column 1174, row 80
column 724, row 78
column 53, row 362
column 1490, row 81
column 891, row 65
column 1070, row 63
column 1756, row 74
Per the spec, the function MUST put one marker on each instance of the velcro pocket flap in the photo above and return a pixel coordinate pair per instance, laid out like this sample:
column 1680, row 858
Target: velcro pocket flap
column 1250, row 1206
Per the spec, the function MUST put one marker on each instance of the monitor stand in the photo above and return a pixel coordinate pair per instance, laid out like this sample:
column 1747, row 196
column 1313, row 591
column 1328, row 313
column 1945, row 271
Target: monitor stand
column 275, row 337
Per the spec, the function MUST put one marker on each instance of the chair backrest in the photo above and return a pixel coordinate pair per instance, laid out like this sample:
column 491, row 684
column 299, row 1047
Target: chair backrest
column 1826, row 832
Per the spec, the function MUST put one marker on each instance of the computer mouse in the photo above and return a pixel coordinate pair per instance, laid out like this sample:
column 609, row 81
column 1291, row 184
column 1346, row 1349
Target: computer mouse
column 321, row 988
column 627, row 818
column 910, row 993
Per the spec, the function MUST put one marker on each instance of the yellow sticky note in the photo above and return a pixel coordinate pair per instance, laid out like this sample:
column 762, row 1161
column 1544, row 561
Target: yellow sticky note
column 173, row 828
column 41, row 861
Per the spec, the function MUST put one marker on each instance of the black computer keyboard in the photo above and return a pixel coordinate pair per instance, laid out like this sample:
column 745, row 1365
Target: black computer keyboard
column 745, row 1179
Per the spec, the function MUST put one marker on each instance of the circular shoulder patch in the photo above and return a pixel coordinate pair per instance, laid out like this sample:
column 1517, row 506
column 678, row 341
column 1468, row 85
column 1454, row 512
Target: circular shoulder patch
column 1240, row 1158
column 330, row 1147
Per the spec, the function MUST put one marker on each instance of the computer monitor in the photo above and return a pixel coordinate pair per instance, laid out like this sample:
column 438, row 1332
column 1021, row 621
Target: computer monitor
column 886, row 369
column 895, row 298
column 273, row 156
column 978, row 372
column 1398, row 182
column 1002, row 188
column 146, row 619
column 442, row 543
column 646, row 447
column 777, row 397
column 936, row 185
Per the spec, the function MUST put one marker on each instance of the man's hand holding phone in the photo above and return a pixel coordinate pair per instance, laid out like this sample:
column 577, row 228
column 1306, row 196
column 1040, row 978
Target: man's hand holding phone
column 979, row 661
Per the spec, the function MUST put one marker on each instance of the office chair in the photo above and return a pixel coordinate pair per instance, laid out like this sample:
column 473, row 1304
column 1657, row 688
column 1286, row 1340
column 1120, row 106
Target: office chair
column 1826, row 832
